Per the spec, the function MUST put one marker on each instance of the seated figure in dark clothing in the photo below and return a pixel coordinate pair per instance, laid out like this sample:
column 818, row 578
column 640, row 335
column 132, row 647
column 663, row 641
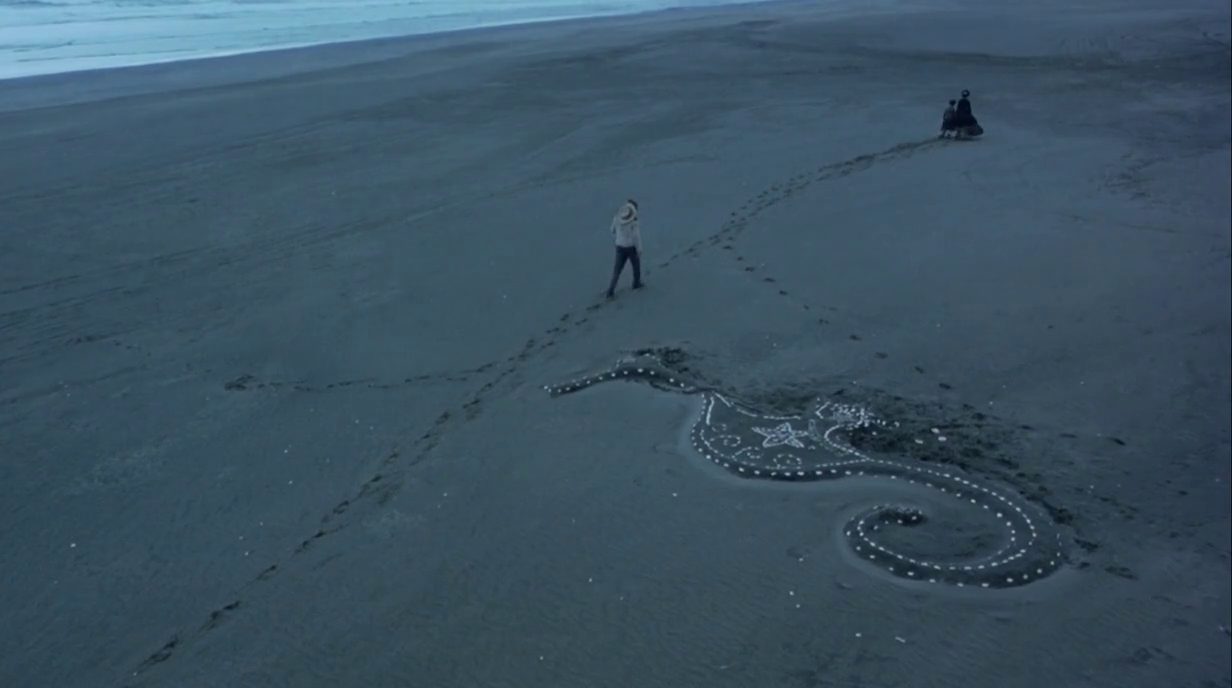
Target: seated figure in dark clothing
column 962, row 112
column 965, row 123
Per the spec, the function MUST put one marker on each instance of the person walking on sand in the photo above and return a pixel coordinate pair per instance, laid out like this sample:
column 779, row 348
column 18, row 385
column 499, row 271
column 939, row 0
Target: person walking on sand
column 628, row 237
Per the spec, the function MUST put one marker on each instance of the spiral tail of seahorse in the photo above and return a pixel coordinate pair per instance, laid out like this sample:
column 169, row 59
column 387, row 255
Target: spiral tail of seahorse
column 651, row 373
column 1031, row 551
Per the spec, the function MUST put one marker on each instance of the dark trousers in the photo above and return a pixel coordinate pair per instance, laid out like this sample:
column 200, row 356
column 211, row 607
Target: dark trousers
column 626, row 253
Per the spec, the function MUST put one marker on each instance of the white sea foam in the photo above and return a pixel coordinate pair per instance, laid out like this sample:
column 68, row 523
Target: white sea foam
column 50, row 36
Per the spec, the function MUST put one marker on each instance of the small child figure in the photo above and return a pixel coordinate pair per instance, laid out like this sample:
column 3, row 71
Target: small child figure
column 947, row 120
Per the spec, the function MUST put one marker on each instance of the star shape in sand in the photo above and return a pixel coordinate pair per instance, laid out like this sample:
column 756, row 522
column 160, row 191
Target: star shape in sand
column 782, row 434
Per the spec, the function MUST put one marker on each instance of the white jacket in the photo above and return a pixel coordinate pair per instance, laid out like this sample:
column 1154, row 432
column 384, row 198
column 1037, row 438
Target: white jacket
column 627, row 232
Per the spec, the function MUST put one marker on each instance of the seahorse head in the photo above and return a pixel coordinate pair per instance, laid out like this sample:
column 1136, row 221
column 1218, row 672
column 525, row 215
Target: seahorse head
column 846, row 416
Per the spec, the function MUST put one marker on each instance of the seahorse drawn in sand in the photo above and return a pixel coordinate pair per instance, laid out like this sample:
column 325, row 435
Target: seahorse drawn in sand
column 816, row 445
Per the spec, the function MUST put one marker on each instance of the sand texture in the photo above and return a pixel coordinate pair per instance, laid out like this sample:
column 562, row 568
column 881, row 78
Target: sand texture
column 306, row 373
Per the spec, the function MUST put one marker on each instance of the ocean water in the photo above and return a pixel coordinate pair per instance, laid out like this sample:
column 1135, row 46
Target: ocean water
column 50, row 36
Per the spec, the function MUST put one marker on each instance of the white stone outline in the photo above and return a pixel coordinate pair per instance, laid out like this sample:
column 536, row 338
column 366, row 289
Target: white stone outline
column 851, row 417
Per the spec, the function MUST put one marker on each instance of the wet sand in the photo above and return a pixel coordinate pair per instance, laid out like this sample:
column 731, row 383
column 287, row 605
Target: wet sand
column 274, row 331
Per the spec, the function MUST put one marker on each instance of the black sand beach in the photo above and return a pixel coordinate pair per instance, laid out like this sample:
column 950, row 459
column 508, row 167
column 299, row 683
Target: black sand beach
column 275, row 331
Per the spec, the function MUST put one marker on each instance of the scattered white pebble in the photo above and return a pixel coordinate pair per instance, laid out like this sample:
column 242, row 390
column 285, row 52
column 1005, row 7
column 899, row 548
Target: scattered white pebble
column 919, row 441
column 941, row 438
column 72, row 545
column 935, row 431
column 900, row 640
column 290, row 482
column 791, row 593
column 674, row 494
column 859, row 635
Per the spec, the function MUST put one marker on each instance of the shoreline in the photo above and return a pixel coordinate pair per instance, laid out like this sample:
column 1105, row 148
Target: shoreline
column 47, row 89
column 157, row 58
